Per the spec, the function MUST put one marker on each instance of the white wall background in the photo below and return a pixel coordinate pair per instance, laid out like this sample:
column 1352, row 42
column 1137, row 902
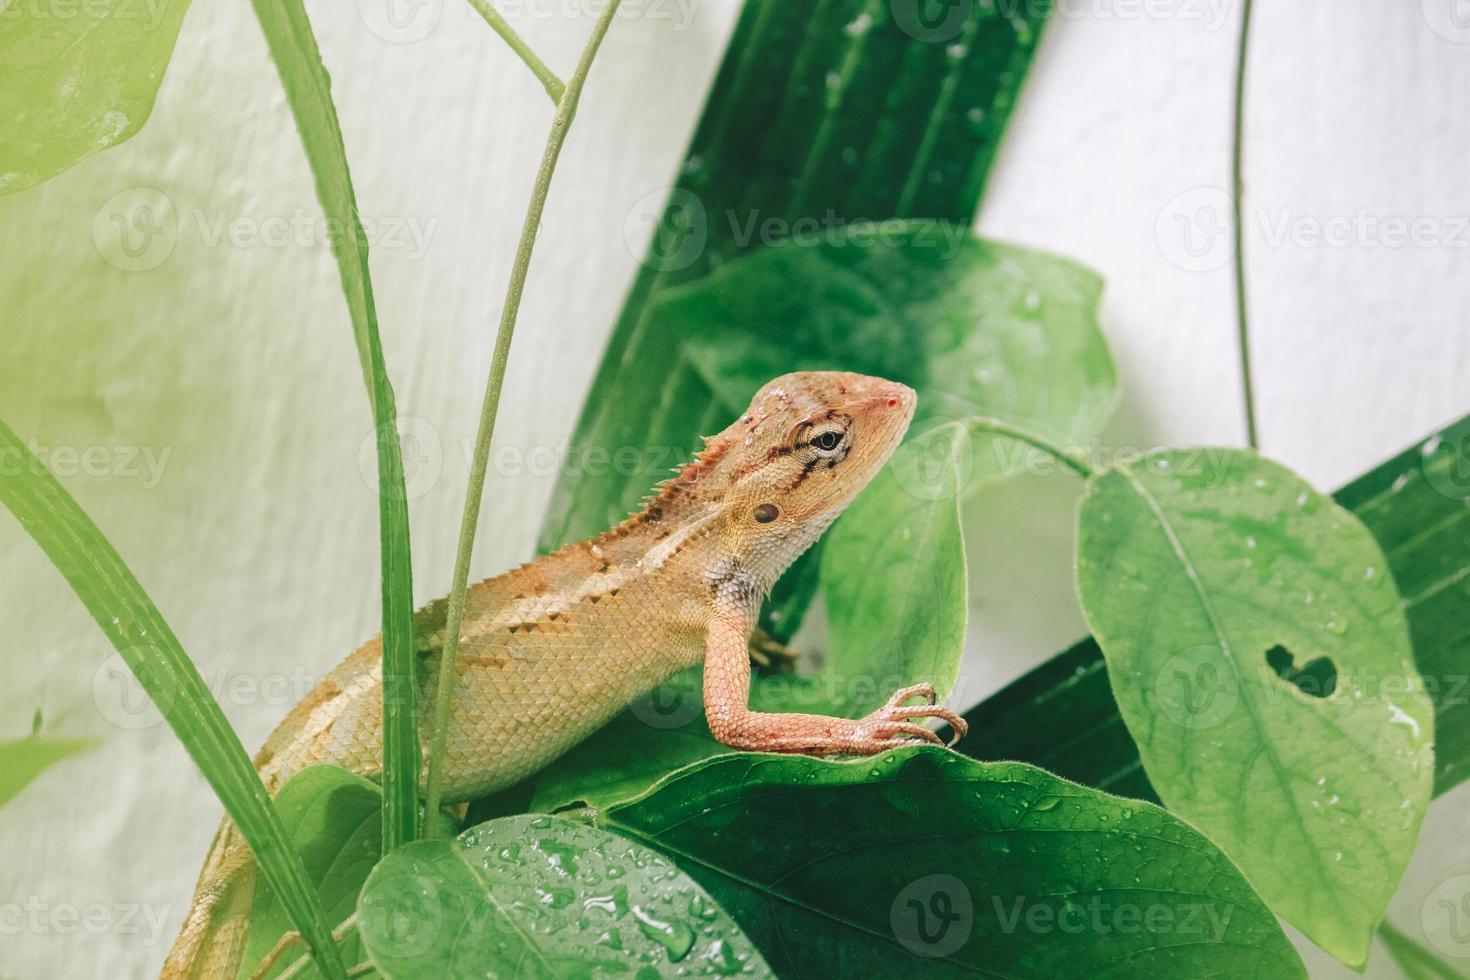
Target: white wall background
column 257, row 535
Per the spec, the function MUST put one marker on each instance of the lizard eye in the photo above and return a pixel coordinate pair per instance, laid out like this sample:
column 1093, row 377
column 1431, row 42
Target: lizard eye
column 828, row 441
column 766, row 513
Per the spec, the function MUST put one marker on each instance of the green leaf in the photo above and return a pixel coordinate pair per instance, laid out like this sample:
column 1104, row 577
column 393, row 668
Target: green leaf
column 925, row 101
column 922, row 862
column 536, row 896
column 335, row 820
column 79, row 78
column 897, row 602
column 135, row 627
column 976, row 327
column 23, row 759
column 894, row 575
column 308, row 91
column 1261, row 660
column 1062, row 716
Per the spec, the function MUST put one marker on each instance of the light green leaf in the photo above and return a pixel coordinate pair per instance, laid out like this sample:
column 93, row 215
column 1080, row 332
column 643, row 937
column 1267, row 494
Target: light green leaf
column 23, row 759
column 922, row 862
column 309, row 93
column 334, row 818
column 897, row 600
column 537, row 896
column 79, row 77
column 146, row 643
column 1261, row 661
column 894, row 576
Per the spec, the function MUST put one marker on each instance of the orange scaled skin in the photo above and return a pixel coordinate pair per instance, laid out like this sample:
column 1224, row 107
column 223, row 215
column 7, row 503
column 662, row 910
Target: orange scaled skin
column 551, row 650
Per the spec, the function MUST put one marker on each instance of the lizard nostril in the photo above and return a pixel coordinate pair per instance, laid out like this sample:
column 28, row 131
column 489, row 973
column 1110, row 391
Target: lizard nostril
column 893, row 403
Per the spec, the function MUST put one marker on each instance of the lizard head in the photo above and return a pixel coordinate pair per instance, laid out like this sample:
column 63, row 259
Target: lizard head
column 808, row 443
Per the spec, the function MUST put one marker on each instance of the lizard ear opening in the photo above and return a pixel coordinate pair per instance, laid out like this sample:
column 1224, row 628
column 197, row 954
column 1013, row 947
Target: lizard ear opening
column 766, row 513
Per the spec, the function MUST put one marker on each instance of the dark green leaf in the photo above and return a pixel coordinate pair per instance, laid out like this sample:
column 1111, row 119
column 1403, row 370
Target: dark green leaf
column 540, row 897
column 133, row 624
column 1261, row 660
column 921, row 862
column 78, row 78
column 335, row 820
column 23, row 759
column 308, row 91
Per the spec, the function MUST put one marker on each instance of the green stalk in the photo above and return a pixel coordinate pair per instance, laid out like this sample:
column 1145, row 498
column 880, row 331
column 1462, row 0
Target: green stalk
column 1071, row 459
column 1242, row 326
column 566, row 111
column 308, row 91
column 501, row 26
column 142, row 637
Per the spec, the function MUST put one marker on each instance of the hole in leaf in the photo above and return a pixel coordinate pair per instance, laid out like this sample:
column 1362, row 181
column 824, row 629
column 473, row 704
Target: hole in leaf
column 1317, row 678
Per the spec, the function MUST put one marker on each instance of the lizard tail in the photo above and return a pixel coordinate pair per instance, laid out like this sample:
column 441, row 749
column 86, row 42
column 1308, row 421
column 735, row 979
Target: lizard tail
column 212, row 941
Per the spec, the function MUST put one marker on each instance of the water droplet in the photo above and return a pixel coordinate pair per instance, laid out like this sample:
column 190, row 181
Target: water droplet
column 674, row 936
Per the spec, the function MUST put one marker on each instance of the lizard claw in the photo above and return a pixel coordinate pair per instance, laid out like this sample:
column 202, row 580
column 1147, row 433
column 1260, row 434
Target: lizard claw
column 894, row 722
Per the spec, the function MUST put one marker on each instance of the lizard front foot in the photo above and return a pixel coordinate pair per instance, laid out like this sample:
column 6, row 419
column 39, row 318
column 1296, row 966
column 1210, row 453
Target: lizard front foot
column 895, row 722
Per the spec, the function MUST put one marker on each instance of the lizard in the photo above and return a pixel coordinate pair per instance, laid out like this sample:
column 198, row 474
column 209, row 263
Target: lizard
column 552, row 650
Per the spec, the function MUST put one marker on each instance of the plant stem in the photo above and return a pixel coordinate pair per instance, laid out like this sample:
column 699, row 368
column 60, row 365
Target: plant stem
column 501, row 26
column 1238, row 189
column 293, row 938
column 1071, row 459
column 1413, row 958
column 566, row 111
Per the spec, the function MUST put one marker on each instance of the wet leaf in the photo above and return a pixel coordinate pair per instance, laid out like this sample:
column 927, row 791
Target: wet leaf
column 536, row 896
column 334, row 818
column 922, row 862
column 1214, row 585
